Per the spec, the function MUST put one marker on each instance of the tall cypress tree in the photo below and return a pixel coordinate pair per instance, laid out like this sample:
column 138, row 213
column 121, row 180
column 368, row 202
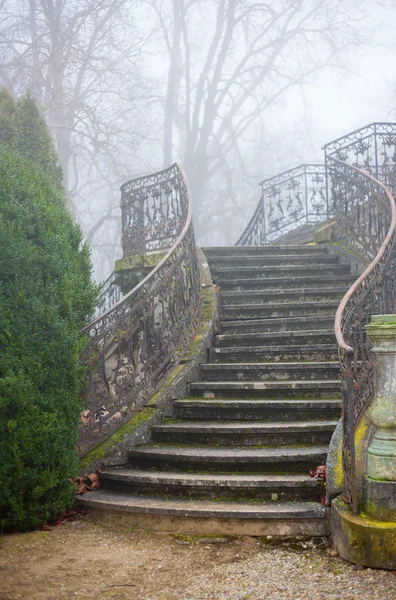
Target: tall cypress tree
column 7, row 119
column 33, row 140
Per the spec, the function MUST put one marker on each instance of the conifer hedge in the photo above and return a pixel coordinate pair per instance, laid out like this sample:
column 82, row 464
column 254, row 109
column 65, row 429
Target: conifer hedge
column 46, row 296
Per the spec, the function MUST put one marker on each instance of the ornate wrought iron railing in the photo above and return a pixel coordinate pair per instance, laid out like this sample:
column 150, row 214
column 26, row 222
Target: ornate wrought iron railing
column 366, row 223
column 287, row 200
column 356, row 186
column 151, row 212
column 371, row 148
column 137, row 342
column 110, row 294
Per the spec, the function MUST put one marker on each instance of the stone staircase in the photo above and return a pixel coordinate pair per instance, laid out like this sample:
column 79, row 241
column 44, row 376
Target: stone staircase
column 235, row 457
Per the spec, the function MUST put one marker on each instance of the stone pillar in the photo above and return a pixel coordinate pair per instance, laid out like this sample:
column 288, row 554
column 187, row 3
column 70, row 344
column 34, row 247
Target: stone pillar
column 369, row 537
column 380, row 493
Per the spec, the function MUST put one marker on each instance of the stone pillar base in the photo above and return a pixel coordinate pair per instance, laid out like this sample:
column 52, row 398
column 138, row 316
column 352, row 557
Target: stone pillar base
column 361, row 540
column 380, row 499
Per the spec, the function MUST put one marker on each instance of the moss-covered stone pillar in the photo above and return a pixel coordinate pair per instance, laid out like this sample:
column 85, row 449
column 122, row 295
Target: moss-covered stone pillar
column 380, row 493
column 369, row 537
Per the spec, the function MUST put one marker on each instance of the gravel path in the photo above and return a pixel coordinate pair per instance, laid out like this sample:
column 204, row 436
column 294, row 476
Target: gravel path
column 82, row 560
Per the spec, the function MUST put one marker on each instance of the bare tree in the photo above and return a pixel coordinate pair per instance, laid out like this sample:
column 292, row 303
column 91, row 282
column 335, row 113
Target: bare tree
column 80, row 59
column 229, row 63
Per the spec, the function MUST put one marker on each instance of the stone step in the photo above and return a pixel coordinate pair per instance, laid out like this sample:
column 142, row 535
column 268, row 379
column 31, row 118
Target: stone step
column 253, row 433
column 280, row 324
column 235, row 251
column 284, row 459
column 267, row 389
column 271, row 259
column 278, row 283
column 293, row 353
column 275, row 338
column 207, row 517
column 255, row 310
column 270, row 488
column 273, row 371
column 239, row 273
column 261, row 410
column 279, row 297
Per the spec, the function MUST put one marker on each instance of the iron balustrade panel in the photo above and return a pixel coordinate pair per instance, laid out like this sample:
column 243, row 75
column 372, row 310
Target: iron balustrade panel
column 111, row 293
column 287, row 200
column 133, row 347
column 371, row 148
column 365, row 222
column 153, row 212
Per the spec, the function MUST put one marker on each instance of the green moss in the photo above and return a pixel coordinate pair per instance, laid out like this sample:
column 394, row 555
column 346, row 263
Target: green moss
column 169, row 381
column 138, row 260
column 209, row 304
column 350, row 252
column 208, row 314
column 129, row 427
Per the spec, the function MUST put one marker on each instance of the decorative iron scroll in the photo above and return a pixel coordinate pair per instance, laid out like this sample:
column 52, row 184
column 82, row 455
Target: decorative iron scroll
column 133, row 346
column 290, row 199
column 371, row 148
column 152, row 212
column 366, row 223
column 110, row 294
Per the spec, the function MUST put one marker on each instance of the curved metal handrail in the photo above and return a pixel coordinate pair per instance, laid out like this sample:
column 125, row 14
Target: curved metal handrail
column 152, row 212
column 366, row 217
column 137, row 342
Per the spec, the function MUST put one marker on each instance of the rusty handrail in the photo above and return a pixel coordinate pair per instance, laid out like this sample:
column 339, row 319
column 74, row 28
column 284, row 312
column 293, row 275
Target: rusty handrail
column 364, row 208
column 136, row 343
column 337, row 322
column 161, row 263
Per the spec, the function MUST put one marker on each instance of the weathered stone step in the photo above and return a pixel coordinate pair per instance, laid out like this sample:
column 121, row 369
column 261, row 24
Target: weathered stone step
column 262, row 410
column 285, row 324
column 278, row 297
column 234, row 251
column 275, row 338
column 272, row 488
column 263, row 283
column 254, row 433
column 293, row 353
column 260, row 260
column 267, row 389
column 285, row 459
column 239, row 273
column 207, row 517
column 273, row 371
column 274, row 310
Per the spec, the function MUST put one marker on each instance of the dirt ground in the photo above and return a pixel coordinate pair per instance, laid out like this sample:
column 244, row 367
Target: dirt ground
column 81, row 559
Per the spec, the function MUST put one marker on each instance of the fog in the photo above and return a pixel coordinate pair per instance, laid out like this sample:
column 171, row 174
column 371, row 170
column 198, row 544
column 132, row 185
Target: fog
column 236, row 90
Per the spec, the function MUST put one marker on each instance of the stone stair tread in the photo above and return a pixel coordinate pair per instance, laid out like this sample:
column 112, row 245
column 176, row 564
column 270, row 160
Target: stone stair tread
column 273, row 305
column 268, row 365
column 274, row 334
column 213, row 479
column 277, row 320
column 231, row 453
column 282, row 349
column 321, row 256
column 264, row 385
column 282, row 292
column 285, row 402
column 305, row 264
column 272, row 249
column 202, row 508
column 232, row 426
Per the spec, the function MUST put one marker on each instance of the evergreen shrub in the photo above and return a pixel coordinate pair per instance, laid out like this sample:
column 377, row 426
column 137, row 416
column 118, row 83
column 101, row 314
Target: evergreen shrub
column 46, row 296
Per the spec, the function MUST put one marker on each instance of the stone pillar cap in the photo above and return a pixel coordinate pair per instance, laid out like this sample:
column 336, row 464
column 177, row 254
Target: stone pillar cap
column 382, row 327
